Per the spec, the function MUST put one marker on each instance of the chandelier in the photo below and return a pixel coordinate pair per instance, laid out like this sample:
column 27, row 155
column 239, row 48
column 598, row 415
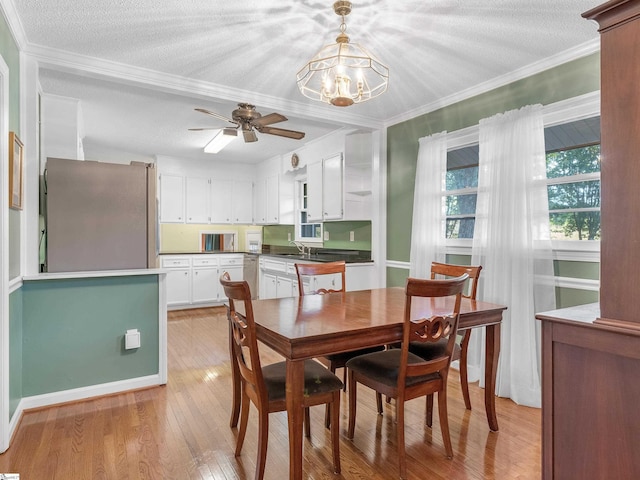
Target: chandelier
column 343, row 73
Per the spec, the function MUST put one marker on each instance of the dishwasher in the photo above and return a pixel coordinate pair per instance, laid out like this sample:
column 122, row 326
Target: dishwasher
column 250, row 273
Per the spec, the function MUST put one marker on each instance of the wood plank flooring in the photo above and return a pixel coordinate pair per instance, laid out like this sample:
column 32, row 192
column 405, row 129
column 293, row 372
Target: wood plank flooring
column 181, row 430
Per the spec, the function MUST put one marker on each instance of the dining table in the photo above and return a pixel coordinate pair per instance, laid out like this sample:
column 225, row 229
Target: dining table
column 300, row 328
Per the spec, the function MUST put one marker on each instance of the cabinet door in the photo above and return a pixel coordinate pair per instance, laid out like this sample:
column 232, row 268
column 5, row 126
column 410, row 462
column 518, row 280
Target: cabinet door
column 269, row 286
column 221, row 201
column 178, row 286
column 171, row 199
column 284, row 287
column 272, row 195
column 332, row 187
column 242, row 205
column 205, row 285
column 314, row 192
column 260, row 202
column 197, row 195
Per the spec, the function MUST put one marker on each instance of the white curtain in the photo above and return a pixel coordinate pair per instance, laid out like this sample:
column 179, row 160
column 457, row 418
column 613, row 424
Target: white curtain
column 511, row 242
column 428, row 225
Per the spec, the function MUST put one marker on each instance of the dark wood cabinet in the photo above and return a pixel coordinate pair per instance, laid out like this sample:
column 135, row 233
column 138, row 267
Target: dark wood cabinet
column 591, row 354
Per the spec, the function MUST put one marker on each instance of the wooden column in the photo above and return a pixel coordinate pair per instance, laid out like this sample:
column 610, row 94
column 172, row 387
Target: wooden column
column 620, row 177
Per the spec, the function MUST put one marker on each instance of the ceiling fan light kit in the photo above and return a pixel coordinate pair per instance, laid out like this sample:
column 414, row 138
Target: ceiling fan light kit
column 221, row 140
column 343, row 73
column 247, row 119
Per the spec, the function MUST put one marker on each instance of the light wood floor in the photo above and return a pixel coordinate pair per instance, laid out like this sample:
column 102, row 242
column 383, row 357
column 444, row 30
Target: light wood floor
column 181, row 431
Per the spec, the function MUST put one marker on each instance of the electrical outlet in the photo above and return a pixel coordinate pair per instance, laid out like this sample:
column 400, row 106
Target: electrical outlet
column 352, row 236
column 132, row 339
column 326, row 236
column 288, row 236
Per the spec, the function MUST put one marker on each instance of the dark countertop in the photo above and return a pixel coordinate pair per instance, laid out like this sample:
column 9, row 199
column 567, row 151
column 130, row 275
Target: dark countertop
column 324, row 256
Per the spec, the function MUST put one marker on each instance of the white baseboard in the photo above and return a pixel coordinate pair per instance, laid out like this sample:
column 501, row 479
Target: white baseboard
column 83, row 393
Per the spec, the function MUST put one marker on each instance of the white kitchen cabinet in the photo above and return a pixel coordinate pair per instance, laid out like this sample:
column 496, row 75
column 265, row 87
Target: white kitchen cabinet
column 242, row 202
column 332, row 192
column 220, row 198
column 361, row 276
column 269, row 286
column 231, row 201
column 171, row 199
column 324, row 189
column 267, row 201
column 178, row 279
column 205, row 281
column 197, row 200
column 194, row 280
column 314, row 192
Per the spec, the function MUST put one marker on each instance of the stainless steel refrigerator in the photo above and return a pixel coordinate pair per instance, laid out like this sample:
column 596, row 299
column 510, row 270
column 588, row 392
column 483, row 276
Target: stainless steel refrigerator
column 99, row 216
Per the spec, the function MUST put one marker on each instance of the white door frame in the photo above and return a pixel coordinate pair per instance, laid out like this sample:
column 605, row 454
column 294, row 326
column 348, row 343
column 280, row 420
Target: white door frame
column 4, row 256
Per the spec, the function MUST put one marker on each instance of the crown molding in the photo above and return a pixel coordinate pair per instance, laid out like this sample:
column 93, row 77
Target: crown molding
column 12, row 18
column 580, row 51
column 131, row 75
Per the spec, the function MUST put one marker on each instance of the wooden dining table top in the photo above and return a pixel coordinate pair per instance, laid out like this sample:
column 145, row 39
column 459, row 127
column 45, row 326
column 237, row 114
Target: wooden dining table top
column 313, row 325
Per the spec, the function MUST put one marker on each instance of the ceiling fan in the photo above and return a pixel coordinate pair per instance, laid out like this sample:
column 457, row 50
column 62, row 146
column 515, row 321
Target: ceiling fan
column 249, row 121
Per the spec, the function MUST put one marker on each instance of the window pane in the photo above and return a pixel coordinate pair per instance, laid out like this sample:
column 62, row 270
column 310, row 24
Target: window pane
column 461, row 204
column 460, row 227
column 574, row 195
column 462, row 178
column 573, row 162
column 575, row 226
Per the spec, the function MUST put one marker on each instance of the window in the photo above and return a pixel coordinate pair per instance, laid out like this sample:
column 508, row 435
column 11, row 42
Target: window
column 461, row 192
column 573, row 179
column 305, row 230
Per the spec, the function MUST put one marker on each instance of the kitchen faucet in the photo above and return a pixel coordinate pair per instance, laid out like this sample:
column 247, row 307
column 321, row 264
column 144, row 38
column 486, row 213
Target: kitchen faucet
column 301, row 247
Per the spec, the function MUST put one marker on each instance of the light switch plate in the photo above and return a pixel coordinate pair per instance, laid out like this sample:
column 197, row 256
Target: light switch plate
column 132, row 339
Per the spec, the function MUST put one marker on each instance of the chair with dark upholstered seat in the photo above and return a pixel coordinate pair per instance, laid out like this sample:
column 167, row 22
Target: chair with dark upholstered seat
column 311, row 283
column 430, row 350
column 265, row 386
column 400, row 374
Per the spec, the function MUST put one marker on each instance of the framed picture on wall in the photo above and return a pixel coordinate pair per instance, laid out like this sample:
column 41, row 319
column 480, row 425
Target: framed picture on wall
column 15, row 172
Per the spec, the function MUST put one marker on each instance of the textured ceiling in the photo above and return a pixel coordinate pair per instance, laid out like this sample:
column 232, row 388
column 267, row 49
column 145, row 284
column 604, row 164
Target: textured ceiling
column 251, row 50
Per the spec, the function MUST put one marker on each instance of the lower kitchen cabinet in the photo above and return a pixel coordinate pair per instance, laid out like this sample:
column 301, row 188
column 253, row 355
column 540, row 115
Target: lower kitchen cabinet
column 278, row 278
column 194, row 280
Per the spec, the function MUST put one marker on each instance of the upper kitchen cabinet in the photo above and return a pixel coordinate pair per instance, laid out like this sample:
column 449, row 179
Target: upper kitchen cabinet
column 358, row 172
column 324, row 189
column 231, row 201
column 171, row 199
column 339, row 187
column 267, row 200
column 197, row 200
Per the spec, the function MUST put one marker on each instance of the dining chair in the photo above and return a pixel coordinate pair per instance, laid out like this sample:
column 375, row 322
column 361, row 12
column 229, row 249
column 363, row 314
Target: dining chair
column 430, row 350
column 264, row 386
column 400, row 374
column 310, row 282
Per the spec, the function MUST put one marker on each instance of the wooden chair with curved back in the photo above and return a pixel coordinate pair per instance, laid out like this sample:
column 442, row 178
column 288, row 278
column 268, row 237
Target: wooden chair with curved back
column 429, row 350
column 265, row 386
column 400, row 374
column 309, row 284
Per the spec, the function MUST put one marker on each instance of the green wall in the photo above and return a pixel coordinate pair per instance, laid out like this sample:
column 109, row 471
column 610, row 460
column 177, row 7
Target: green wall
column 15, row 350
column 338, row 235
column 565, row 81
column 569, row 80
column 73, row 331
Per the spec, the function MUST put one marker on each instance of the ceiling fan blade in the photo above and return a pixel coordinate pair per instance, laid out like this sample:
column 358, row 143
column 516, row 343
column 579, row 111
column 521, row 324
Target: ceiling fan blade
column 269, row 119
column 202, row 129
column 282, row 132
column 214, row 114
column 249, row 136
